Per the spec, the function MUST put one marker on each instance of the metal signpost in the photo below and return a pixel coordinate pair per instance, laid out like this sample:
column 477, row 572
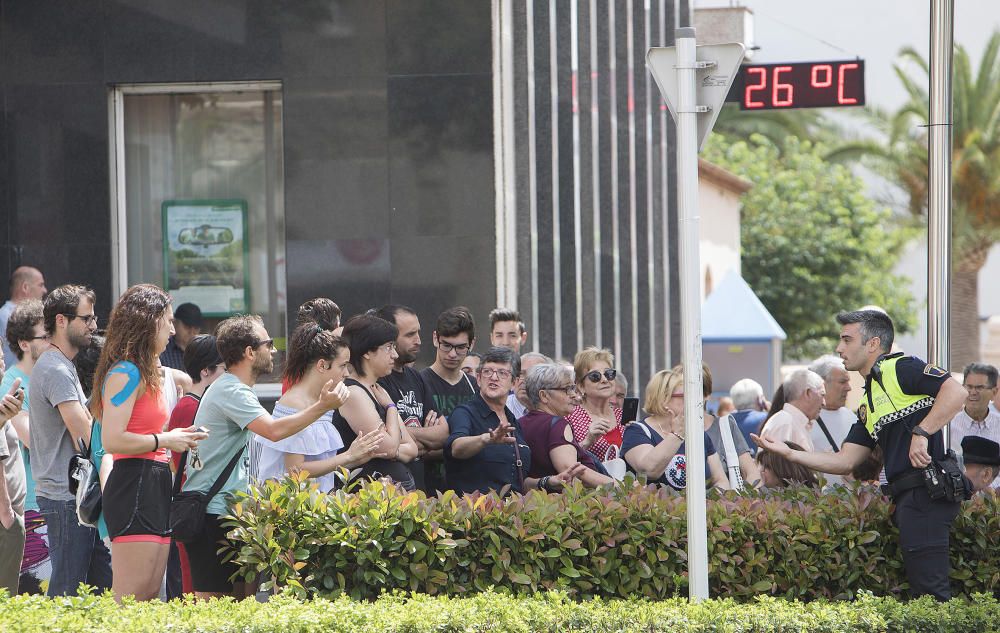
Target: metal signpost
column 694, row 81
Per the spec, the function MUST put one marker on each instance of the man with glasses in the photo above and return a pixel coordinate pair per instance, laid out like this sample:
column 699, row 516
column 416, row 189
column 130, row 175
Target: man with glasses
column 60, row 422
column 26, row 283
column 977, row 417
column 447, row 386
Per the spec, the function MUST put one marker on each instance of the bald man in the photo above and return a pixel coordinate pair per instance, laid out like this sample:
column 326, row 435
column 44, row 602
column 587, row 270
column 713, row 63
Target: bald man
column 25, row 283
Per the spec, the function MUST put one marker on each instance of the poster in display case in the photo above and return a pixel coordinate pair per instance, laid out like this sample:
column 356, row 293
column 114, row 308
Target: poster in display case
column 206, row 255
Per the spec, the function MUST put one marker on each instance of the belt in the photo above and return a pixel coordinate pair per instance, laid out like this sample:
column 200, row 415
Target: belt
column 909, row 481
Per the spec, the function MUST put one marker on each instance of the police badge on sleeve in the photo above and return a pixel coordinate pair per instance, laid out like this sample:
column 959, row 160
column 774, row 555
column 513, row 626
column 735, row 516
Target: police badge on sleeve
column 934, row 371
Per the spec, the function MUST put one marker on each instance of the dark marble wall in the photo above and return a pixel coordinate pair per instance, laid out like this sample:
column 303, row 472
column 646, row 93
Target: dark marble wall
column 388, row 135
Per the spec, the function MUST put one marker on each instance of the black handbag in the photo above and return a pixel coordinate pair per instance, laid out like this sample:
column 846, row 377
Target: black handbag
column 188, row 509
column 85, row 484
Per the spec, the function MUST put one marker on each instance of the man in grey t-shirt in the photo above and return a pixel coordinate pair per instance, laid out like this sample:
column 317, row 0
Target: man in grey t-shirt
column 59, row 421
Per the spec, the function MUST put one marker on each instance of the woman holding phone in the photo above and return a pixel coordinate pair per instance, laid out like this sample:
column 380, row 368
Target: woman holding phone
column 130, row 402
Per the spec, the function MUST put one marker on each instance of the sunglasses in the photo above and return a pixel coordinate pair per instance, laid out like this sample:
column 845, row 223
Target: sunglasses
column 595, row 376
column 269, row 342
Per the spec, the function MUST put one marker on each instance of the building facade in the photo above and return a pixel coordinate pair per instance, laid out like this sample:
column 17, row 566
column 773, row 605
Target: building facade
column 250, row 154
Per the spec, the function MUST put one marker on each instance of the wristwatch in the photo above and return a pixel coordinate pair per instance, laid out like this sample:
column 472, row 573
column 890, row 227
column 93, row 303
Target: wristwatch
column 919, row 430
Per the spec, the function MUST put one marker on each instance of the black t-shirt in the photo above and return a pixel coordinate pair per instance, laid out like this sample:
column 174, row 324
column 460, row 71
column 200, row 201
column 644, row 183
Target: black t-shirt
column 378, row 467
column 915, row 377
column 444, row 396
column 408, row 391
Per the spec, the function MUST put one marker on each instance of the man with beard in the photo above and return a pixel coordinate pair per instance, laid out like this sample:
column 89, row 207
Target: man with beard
column 408, row 391
column 26, row 284
column 57, row 408
column 230, row 411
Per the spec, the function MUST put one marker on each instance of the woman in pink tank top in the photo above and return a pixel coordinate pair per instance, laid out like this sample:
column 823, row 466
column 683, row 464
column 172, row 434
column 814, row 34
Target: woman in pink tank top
column 130, row 403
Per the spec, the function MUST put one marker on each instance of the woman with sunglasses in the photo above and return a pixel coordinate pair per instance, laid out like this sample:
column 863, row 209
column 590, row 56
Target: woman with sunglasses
column 129, row 400
column 372, row 345
column 654, row 447
column 315, row 356
column 597, row 426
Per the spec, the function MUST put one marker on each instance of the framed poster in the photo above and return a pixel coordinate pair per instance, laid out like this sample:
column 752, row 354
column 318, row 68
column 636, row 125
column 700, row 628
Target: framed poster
column 206, row 256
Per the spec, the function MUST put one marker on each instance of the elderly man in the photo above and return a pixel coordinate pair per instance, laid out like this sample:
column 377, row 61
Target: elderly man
column 835, row 419
column 518, row 401
column 751, row 408
column 25, row 283
column 804, row 394
column 977, row 417
column 982, row 461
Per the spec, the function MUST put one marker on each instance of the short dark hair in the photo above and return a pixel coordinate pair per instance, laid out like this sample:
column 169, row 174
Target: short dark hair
column 365, row 333
column 21, row 325
column 189, row 314
column 389, row 312
column 504, row 356
column 201, row 353
column 308, row 344
column 86, row 361
column 235, row 335
column 455, row 321
column 972, row 368
column 502, row 315
column 64, row 300
column 874, row 323
column 321, row 311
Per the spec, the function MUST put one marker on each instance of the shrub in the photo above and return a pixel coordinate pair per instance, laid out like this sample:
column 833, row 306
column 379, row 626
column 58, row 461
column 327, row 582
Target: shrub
column 553, row 612
column 621, row 543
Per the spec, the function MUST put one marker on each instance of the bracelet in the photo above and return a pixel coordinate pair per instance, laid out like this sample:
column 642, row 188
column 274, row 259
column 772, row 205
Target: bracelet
column 543, row 483
column 677, row 435
column 156, row 443
column 390, row 406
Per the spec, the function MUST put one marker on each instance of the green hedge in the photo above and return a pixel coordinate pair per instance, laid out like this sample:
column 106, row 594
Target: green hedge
column 554, row 612
column 627, row 542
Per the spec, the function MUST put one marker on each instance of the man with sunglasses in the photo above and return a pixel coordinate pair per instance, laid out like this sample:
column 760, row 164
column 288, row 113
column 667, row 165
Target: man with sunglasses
column 60, row 421
column 977, row 417
column 230, row 411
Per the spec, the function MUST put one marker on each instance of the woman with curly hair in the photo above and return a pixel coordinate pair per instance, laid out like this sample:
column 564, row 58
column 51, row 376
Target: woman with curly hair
column 129, row 400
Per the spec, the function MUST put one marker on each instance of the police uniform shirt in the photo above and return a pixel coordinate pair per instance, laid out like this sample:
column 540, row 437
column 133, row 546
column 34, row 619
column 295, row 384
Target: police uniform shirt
column 915, row 378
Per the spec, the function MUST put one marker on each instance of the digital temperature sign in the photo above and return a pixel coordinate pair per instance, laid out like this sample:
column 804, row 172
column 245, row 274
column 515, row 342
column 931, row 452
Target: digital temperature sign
column 799, row 85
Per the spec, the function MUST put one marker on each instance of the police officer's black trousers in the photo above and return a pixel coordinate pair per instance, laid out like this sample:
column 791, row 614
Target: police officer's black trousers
column 924, row 529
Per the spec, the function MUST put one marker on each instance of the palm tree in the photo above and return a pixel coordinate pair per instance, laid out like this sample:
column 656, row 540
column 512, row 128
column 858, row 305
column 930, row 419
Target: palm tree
column 975, row 173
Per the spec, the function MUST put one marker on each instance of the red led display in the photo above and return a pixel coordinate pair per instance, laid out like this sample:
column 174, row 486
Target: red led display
column 800, row 85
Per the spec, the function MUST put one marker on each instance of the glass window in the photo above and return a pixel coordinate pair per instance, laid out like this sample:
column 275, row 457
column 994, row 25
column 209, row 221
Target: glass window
column 204, row 214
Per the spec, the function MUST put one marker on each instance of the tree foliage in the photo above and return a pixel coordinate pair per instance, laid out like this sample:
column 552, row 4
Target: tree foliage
column 812, row 243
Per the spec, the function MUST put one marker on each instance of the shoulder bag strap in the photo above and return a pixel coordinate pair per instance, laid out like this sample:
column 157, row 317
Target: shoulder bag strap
column 826, row 432
column 217, row 486
column 179, row 475
column 732, row 458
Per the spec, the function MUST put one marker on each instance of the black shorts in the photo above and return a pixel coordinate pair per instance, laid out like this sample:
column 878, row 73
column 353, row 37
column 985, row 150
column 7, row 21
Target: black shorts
column 208, row 573
column 136, row 501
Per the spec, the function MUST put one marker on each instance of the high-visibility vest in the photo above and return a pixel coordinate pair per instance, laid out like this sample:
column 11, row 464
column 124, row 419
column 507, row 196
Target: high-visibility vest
column 883, row 401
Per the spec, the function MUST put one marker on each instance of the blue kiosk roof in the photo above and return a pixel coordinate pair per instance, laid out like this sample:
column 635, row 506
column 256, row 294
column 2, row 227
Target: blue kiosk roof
column 734, row 313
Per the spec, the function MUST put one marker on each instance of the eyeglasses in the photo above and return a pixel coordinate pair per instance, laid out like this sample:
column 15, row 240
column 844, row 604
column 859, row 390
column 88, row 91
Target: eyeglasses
column 389, row 348
column 489, row 372
column 447, row 347
column 569, row 390
column 87, row 318
column 595, row 376
column 38, row 338
column 677, row 395
column 269, row 342
column 977, row 387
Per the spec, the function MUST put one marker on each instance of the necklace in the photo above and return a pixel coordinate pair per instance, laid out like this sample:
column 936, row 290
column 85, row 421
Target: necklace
column 61, row 352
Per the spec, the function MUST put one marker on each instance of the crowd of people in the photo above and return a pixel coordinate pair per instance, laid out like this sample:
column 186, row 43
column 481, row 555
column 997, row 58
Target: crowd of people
column 158, row 406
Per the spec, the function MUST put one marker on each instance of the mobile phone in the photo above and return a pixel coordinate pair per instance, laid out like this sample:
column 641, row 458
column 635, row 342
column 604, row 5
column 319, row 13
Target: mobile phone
column 15, row 387
column 630, row 410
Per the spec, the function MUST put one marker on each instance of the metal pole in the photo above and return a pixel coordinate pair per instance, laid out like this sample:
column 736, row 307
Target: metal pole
column 694, row 428
column 939, row 133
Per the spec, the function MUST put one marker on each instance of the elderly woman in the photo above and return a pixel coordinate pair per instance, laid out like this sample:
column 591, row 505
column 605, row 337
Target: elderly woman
column 552, row 395
column 597, row 426
column 654, row 447
column 486, row 449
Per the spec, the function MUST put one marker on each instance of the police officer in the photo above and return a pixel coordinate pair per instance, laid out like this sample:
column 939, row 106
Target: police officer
column 905, row 404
